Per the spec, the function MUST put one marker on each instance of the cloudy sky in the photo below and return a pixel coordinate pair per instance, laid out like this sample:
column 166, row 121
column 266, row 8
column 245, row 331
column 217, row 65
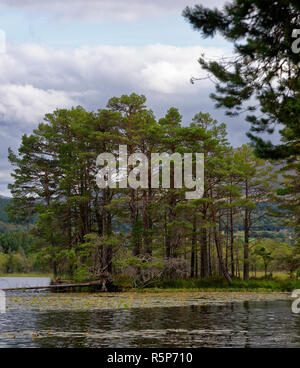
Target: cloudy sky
column 63, row 53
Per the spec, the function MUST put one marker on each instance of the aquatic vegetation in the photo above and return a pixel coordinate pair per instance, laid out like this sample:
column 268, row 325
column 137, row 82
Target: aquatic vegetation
column 131, row 300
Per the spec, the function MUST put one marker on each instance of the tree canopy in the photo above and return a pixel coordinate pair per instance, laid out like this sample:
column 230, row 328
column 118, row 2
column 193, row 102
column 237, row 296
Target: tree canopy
column 263, row 77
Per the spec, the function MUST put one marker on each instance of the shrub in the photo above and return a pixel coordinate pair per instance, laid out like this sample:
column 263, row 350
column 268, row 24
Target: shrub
column 3, row 262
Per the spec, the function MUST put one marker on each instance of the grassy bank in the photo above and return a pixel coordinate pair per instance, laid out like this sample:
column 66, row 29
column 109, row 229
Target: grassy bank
column 222, row 285
column 31, row 274
column 207, row 290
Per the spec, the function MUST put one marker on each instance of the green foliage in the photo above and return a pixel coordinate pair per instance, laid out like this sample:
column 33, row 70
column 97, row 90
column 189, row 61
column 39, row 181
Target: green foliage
column 87, row 232
column 17, row 240
column 83, row 274
column 264, row 68
column 14, row 262
column 221, row 284
column 4, row 202
column 3, row 262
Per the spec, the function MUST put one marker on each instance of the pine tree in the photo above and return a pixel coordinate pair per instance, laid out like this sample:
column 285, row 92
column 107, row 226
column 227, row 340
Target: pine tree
column 264, row 69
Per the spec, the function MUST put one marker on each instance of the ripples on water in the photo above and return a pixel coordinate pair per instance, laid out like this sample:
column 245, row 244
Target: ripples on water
column 240, row 324
column 246, row 324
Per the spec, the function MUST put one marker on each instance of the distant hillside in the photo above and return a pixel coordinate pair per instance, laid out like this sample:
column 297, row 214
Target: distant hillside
column 5, row 225
column 265, row 223
column 4, row 202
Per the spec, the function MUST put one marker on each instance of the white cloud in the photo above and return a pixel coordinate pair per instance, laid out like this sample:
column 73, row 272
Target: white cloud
column 106, row 10
column 35, row 79
column 25, row 104
column 39, row 77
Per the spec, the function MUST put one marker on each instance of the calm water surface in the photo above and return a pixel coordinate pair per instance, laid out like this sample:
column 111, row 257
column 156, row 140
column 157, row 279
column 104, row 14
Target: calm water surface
column 19, row 282
column 239, row 324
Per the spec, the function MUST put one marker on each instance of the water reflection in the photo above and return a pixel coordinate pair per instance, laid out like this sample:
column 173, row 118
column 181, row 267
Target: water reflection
column 247, row 324
column 237, row 324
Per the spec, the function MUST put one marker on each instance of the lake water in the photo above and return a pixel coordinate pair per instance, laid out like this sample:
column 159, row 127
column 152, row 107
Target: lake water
column 253, row 323
column 19, row 282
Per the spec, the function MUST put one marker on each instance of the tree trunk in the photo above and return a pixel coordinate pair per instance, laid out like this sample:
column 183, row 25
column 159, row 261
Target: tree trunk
column 217, row 242
column 109, row 251
column 193, row 250
column 54, row 269
column 196, row 261
column 227, row 240
column 210, row 272
column 146, row 221
column 147, row 215
column 220, row 260
column 167, row 238
column 246, row 240
column 231, row 243
column 204, row 260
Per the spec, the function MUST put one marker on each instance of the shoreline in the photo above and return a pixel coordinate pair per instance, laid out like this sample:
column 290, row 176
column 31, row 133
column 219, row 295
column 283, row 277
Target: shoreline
column 193, row 285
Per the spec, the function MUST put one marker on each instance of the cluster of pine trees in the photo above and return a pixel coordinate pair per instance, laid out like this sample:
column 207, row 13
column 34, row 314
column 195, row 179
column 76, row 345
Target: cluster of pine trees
column 81, row 227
